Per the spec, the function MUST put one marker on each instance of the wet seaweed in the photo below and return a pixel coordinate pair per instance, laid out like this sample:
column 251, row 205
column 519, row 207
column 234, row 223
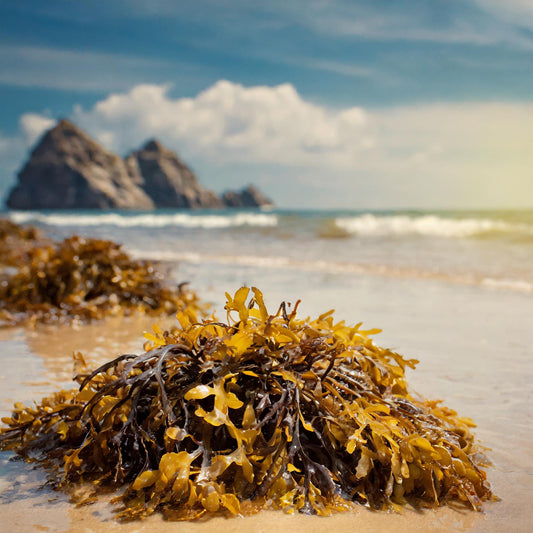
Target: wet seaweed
column 85, row 279
column 263, row 411
column 16, row 242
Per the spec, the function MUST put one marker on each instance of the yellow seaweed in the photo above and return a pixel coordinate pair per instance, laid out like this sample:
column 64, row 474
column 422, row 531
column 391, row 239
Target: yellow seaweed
column 264, row 411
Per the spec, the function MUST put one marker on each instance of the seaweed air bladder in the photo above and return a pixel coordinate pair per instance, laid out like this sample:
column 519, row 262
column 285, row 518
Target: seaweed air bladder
column 262, row 411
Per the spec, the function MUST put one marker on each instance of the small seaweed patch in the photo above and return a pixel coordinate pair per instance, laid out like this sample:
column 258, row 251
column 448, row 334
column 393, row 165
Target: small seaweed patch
column 264, row 411
column 85, row 279
column 16, row 242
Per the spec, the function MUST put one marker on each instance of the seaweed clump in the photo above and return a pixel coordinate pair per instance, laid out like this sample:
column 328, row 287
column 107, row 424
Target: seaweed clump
column 16, row 242
column 262, row 411
column 85, row 279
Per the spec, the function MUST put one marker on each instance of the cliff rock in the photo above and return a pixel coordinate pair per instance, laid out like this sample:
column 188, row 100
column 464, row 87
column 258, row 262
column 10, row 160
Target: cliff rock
column 69, row 170
column 168, row 180
column 248, row 197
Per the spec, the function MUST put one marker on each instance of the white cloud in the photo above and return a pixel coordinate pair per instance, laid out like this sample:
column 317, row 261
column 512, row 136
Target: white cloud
column 348, row 69
column 447, row 155
column 231, row 122
column 456, row 22
column 519, row 12
column 33, row 125
column 420, row 21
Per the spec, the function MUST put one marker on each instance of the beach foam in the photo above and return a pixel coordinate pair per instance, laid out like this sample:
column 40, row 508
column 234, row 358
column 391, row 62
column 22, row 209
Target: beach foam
column 148, row 220
column 371, row 225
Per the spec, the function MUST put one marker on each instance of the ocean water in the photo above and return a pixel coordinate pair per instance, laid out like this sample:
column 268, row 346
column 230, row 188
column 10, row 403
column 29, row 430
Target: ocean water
column 490, row 249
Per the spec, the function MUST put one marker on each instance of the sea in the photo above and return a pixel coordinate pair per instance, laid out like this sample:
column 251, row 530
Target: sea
column 492, row 250
column 453, row 289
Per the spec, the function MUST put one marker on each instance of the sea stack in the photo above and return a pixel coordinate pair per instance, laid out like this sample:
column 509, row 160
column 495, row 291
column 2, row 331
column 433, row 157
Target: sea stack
column 168, row 180
column 249, row 197
column 69, row 170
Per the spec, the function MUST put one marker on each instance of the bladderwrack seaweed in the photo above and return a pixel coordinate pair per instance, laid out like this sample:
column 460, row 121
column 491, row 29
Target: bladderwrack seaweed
column 261, row 411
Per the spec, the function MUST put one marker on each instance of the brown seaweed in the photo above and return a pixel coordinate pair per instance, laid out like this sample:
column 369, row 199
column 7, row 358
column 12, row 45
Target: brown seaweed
column 16, row 242
column 262, row 411
column 85, row 279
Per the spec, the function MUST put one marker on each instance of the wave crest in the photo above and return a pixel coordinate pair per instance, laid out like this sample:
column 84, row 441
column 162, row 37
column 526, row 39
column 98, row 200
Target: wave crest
column 370, row 225
column 184, row 220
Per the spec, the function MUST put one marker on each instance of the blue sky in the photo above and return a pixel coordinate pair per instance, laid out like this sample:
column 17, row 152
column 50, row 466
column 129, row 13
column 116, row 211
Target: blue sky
column 379, row 103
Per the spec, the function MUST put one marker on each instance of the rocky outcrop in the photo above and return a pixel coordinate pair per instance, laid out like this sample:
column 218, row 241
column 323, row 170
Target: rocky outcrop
column 168, row 180
column 69, row 170
column 248, row 197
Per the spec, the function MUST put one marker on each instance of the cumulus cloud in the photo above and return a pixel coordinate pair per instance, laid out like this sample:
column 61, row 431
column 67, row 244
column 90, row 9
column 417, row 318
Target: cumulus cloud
column 231, row 122
column 448, row 155
column 33, row 125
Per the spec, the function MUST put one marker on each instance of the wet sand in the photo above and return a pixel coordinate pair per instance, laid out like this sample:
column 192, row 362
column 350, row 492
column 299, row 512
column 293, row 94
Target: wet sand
column 475, row 348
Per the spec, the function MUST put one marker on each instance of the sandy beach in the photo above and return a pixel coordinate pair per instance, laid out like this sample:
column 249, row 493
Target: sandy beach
column 266, row 255
column 474, row 346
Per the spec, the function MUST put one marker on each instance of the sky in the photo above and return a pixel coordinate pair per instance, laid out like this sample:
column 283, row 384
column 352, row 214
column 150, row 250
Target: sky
column 365, row 104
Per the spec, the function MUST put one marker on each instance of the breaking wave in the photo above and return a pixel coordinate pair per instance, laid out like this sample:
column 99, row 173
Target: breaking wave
column 149, row 220
column 364, row 224
column 370, row 225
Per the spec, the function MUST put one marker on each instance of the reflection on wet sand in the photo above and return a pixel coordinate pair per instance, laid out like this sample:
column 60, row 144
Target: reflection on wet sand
column 98, row 342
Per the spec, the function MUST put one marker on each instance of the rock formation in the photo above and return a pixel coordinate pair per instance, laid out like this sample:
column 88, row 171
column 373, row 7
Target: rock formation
column 69, row 170
column 248, row 197
column 169, row 181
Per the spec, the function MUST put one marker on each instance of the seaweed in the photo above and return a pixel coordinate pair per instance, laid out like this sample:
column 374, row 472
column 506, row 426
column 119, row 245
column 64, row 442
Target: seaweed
column 17, row 241
column 85, row 279
column 263, row 411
